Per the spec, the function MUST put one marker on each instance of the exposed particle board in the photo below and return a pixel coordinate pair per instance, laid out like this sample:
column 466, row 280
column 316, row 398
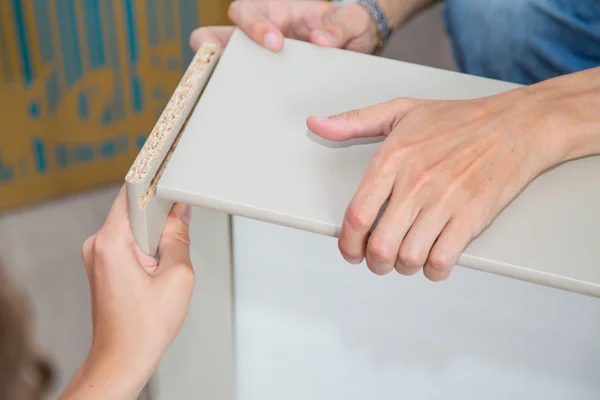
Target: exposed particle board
column 148, row 213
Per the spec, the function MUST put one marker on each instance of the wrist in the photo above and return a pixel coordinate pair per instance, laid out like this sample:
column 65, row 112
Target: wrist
column 567, row 110
column 577, row 128
column 102, row 377
column 378, row 29
column 385, row 15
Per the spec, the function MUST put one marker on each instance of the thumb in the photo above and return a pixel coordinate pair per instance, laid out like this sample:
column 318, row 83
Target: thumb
column 174, row 245
column 377, row 120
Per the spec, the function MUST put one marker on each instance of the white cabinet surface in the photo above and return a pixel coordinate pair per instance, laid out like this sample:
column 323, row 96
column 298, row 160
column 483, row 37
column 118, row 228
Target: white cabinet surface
column 294, row 321
column 246, row 150
column 310, row 326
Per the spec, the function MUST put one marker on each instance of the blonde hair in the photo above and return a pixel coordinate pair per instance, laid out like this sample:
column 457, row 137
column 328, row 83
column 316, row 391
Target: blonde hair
column 23, row 374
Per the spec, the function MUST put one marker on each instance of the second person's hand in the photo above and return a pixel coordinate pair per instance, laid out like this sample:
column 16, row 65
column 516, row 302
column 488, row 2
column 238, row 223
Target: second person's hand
column 267, row 22
column 448, row 167
column 138, row 303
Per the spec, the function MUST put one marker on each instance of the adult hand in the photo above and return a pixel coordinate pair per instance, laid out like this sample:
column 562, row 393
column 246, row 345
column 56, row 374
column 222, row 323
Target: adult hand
column 138, row 304
column 447, row 168
column 268, row 21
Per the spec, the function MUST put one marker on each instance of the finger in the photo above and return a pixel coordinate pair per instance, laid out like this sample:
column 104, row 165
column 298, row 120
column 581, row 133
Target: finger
column 115, row 240
column 340, row 25
column 112, row 248
column 376, row 120
column 86, row 253
column 117, row 225
column 364, row 208
column 247, row 16
column 384, row 242
column 148, row 262
column 88, row 261
column 214, row 34
column 116, row 236
column 419, row 240
column 447, row 249
column 174, row 245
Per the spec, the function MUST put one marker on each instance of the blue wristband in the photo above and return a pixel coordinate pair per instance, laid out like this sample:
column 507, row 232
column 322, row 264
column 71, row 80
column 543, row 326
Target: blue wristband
column 383, row 26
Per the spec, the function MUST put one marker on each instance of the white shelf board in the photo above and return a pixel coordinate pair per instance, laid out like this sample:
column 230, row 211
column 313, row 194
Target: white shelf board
column 246, row 150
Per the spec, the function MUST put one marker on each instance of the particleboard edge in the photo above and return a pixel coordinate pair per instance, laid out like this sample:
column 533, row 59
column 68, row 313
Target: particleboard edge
column 148, row 214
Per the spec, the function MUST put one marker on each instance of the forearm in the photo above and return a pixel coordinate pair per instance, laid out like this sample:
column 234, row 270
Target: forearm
column 105, row 379
column 568, row 108
column 399, row 11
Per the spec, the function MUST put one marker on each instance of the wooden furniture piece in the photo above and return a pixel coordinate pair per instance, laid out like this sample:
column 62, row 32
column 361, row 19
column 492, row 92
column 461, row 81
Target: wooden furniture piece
column 244, row 150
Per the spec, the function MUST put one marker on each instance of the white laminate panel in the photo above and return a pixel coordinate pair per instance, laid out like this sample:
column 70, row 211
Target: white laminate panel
column 199, row 364
column 246, row 150
column 309, row 326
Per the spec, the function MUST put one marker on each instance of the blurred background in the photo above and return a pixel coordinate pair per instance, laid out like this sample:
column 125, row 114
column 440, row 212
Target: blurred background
column 82, row 83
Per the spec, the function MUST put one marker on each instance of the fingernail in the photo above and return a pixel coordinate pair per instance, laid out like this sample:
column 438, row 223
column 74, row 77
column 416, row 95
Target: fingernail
column 194, row 43
column 271, row 41
column 328, row 37
column 185, row 214
column 354, row 261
